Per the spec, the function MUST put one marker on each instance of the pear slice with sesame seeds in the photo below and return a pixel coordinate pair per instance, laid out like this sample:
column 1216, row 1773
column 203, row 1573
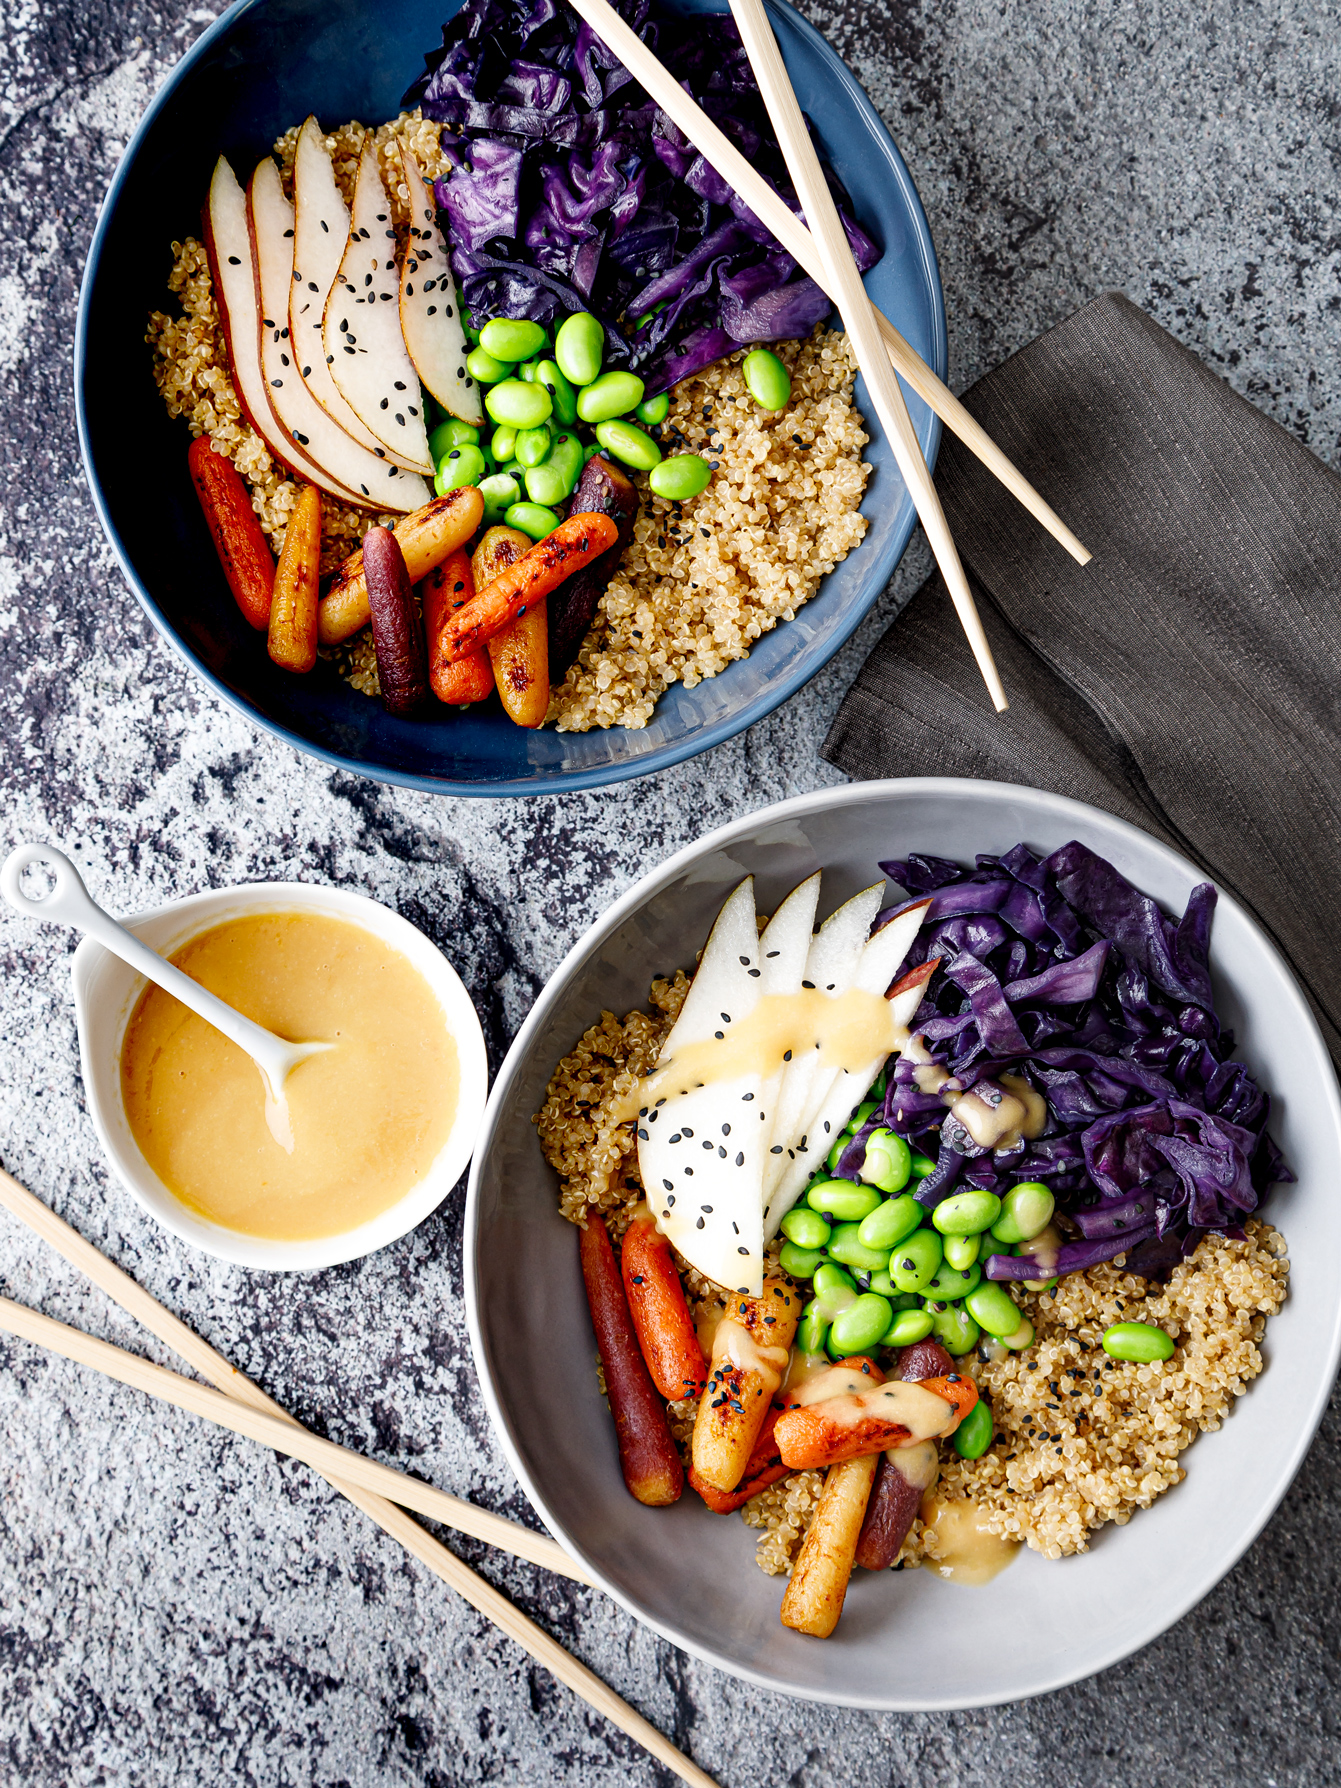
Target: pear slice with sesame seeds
column 429, row 319
column 347, row 469
column 361, row 332
column 320, row 233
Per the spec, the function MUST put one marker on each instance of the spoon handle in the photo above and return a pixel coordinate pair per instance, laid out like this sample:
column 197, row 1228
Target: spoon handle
column 69, row 902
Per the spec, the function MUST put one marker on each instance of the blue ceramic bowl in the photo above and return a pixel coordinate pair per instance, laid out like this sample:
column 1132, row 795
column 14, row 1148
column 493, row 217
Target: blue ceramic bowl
column 263, row 67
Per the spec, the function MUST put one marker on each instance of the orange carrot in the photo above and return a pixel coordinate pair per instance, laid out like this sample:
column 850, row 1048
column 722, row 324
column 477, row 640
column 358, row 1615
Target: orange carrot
column 425, row 537
column 239, row 540
column 666, row 1331
column 293, row 611
column 849, row 1426
column 764, row 1467
column 647, row 1455
column 447, row 587
column 572, row 545
column 519, row 654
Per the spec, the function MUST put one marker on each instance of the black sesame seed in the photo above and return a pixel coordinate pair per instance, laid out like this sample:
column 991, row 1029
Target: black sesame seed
column 726, row 1129
column 669, row 1184
column 787, row 1056
column 699, row 1224
column 809, row 984
column 740, row 1159
column 776, row 1149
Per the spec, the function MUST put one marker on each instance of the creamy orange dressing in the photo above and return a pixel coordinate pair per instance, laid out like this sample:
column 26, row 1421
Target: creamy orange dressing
column 919, row 1465
column 1044, row 1248
column 369, row 1115
column 849, row 1396
column 968, row 1552
column 734, row 1345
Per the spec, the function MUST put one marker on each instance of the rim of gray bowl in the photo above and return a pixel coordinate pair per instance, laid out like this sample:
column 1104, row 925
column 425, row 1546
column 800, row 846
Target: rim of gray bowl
column 609, row 922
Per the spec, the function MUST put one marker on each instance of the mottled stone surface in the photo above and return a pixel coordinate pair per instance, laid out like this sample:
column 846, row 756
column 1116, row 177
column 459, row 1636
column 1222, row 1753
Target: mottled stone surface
column 180, row 1607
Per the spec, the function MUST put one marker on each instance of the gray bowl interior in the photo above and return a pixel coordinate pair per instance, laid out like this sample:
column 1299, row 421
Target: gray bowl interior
column 906, row 1640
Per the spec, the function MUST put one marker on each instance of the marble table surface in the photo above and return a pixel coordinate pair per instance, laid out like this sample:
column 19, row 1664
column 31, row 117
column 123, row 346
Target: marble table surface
column 177, row 1606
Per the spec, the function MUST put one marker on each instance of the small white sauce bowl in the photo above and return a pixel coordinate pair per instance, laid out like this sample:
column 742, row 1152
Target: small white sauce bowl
column 105, row 993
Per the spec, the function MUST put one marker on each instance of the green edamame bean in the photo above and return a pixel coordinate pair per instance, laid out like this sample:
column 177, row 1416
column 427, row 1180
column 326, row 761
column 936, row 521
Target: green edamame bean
column 533, row 445
column 906, row 1300
column 1022, row 1338
column 680, row 477
column 459, row 466
column 503, row 444
column 579, row 347
column 845, row 1245
column 882, row 1283
column 527, row 371
column 1140, row 1341
column 973, row 1436
column 812, row 1331
column 966, row 1213
column 835, row 1290
column 805, row 1227
column 518, row 404
column 993, row 1308
column 508, row 338
column 630, row 444
column 860, row 1326
column 613, row 394
column 952, row 1283
column 877, row 1089
column 835, row 1154
column 547, row 373
column 532, row 519
column 452, row 433
column 1026, row 1211
column 654, row 411
column 843, row 1199
column 590, row 451
column 908, row 1326
column 800, row 1262
column 514, row 469
column 553, row 479
column 484, row 368
column 916, row 1260
column 767, row 380
column 961, row 1250
column 922, row 1165
column 955, row 1329
column 889, row 1222
column 500, row 492
column 888, row 1162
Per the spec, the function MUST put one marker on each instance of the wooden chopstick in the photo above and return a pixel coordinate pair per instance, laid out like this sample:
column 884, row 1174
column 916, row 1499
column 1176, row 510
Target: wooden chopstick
column 791, row 232
column 843, row 282
column 242, row 1397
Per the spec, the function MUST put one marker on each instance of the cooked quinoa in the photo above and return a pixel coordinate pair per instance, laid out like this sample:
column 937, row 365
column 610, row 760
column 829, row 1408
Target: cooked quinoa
column 1080, row 1439
column 701, row 581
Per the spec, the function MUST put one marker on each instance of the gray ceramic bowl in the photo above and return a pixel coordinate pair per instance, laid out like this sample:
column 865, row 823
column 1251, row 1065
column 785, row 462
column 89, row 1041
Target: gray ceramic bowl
column 908, row 1641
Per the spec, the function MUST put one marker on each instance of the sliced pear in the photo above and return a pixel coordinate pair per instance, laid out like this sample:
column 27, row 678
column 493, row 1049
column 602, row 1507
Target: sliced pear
column 701, row 1153
column 351, row 470
column 428, row 316
column 233, row 270
column 320, row 234
column 783, row 950
column 365, row 349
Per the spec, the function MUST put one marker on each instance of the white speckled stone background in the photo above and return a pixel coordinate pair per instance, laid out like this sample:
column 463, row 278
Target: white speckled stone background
column 177, row 1606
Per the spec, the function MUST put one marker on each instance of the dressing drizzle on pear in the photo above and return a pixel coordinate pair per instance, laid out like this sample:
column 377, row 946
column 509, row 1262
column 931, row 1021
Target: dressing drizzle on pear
column 361, row 327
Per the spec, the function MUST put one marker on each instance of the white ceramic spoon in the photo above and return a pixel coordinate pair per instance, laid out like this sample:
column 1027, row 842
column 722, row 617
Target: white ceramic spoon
column 69, row 903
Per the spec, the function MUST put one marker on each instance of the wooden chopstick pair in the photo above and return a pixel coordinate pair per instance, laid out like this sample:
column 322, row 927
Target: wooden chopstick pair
column 242, row 1406
column 824, row 253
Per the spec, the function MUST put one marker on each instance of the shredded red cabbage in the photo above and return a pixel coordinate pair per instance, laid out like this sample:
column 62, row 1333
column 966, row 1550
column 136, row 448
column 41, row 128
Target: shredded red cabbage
column 1059, row 970
column 569, row 190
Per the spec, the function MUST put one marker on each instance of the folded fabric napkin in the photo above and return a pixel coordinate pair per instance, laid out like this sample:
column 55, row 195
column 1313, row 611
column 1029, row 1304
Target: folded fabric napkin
column 1189, row 677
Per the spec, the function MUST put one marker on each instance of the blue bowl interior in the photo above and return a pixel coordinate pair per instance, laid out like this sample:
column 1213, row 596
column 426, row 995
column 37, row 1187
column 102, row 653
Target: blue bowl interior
column 262, row 68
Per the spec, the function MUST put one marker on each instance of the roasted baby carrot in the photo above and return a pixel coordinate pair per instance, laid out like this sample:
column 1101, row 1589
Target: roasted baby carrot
column 764, row 1467
column 572, row 545
column 814, row 1596
column 848, row 1426
column 238, row 537
column 518, row 653
column 661, row 1316
column 398, row 634
column 293, row 611
column 447, row 587
column 425, row 537
column 749, row 1356
column 647, row 1454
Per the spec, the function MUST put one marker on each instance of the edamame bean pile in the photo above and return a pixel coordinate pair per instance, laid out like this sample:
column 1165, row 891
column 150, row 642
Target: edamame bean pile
column 1078, row 1437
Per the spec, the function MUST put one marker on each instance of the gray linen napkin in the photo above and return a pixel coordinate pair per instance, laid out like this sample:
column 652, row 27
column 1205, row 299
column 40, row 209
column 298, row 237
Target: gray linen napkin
column 1189, row 677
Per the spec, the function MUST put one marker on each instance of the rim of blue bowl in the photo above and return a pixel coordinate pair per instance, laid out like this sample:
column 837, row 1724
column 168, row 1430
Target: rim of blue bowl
column 559, row 781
